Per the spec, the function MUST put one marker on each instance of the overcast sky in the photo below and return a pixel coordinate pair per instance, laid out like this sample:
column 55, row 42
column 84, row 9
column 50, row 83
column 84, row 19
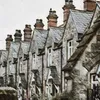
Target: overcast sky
column 14, row 14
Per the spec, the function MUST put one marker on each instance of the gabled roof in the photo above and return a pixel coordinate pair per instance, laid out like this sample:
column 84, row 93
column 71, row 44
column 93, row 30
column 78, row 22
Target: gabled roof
column 14, row 48
column 3, row 55
column 25, row 47
column 55, row 35
column 83, row 44
column 81, row 19
column 38, row 40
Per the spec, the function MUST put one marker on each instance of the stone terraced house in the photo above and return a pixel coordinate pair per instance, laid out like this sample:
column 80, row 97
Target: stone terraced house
column 3, row 63
column 57, row 60
column 83, row 67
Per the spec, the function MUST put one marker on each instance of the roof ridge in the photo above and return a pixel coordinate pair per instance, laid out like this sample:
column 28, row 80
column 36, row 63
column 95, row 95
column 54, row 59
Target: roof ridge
column 83, row 11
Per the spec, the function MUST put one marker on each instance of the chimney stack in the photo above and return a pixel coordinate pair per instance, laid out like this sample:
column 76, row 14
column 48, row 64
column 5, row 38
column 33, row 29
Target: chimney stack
column 39, row 24
column 27, row 33
column 18, row 36
column 52, row 18
column 9, row 39
column 89, row 5
column 66, row 8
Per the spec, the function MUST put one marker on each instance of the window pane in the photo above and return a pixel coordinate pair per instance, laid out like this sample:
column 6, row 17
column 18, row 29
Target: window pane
column 70, row 43
column 93, row 78
column 69, row 48
column 34, row 61
column 49, row 50
column 49, row 57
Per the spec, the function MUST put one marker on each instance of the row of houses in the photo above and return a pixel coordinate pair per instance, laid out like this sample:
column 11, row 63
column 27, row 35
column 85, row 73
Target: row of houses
column 59, row 60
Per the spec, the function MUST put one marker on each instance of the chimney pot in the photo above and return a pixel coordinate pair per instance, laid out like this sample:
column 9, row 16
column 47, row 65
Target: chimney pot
column 18, row 35
column 89, row 5
column 52, row 18
column 27, row 33
column 66, row 8
column 39, row 24
column 9, row 39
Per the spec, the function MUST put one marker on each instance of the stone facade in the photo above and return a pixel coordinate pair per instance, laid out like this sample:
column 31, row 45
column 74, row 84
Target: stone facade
column 34, row 66
column 83, row 65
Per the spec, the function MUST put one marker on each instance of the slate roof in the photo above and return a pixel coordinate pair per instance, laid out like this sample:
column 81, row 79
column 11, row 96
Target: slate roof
column 98, row 3
column 81, row 19
column 14, row 48
column 38, row 40
column 83, row 44
column 25, row 47
column 3, row 55
column 55, row 35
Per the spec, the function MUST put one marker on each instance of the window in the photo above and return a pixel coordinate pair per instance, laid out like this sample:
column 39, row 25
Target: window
column 69, row 48
column 21, row 66
column 94, row 78
column 49, row 57
column 94, row 82
column 10, row 68
column 68, row 84
column 34, row 61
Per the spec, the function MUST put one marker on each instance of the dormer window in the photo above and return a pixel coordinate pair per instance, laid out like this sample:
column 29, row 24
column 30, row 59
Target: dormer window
column 69, row 48
column 49, row 57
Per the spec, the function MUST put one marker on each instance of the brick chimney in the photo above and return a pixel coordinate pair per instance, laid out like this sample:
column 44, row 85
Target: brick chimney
column 27, row 33
column 89, row 5
column 18, row 36
column 9, row 39
column 52, row 18
column 66, row 8
column 39, row 24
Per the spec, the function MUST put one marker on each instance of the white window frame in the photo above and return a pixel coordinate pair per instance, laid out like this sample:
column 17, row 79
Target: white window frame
column 93, row 80
column 21, row 65
column 70, row 47
column 10, row 67
column 34, row 61
column 49, row 57
column 68, row 84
